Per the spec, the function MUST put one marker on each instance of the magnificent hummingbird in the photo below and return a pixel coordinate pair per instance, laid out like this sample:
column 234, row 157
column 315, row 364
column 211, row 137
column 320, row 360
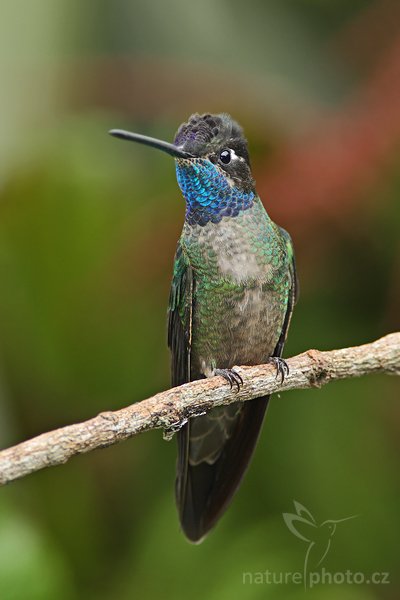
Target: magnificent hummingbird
column 233, row 291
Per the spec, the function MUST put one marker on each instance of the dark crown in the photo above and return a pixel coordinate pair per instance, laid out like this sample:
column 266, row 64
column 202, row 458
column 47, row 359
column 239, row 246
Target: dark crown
column 207, row 133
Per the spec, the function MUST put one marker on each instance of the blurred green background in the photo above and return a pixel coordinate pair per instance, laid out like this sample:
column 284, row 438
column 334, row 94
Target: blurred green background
column 88, row 227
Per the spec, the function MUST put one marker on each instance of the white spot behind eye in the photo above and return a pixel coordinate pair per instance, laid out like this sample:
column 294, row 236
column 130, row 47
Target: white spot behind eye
column 235, row 156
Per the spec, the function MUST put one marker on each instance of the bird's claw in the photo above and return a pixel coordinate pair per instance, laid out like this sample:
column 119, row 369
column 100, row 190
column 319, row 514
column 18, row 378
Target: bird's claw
column 231, row 376
column 282, row 368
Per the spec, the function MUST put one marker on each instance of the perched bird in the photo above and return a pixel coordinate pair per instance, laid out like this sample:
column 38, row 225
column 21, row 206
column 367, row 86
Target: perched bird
column 233, row 291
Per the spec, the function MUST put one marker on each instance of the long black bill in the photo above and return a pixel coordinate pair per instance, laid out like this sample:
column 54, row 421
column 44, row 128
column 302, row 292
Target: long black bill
column 149, row 141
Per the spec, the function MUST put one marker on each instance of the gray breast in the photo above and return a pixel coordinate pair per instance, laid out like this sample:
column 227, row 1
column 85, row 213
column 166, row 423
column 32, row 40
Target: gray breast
column 246, row 333
column 233, row 248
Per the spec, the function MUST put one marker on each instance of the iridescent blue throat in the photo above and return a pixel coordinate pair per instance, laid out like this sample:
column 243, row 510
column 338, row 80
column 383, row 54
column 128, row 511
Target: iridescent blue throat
column 207, row 192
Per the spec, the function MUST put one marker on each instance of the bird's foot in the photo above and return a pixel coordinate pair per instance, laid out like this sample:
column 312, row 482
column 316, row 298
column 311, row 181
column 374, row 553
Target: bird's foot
column 231, row 376
column 282, row 368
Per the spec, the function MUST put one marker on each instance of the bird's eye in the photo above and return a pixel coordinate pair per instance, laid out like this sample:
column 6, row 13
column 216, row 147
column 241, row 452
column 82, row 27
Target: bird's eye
column 225, row 156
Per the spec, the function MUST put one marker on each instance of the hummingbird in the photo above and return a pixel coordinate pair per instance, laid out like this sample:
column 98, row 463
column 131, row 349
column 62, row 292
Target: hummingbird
column 318, row 535
column 233, row 291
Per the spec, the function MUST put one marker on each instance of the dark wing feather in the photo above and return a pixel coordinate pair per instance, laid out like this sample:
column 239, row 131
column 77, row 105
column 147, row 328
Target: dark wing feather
column 180, row 314
column 293, row 294
column 180, row 319
column 210, row 487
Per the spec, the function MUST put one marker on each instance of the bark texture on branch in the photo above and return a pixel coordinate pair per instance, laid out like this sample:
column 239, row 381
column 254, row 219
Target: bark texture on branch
column 169, row 410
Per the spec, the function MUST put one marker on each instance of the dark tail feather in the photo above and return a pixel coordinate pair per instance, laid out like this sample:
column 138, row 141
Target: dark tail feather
column 204, row 491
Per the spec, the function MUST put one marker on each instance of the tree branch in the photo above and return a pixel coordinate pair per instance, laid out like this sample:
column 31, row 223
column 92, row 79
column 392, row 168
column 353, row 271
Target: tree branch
column 169, row 410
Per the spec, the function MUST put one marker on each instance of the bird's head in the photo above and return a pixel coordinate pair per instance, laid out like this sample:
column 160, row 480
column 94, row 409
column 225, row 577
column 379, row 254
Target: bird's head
column 212, row 166
column 330, row 525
